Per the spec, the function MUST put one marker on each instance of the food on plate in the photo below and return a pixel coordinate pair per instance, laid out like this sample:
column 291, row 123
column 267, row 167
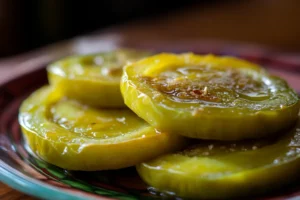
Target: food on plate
column 74, row 136
column 244, row 122
column 208, row 97
column 223, row 170
column 93, row 79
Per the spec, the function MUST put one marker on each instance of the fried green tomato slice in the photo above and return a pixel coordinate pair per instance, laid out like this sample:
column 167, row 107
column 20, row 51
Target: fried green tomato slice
column 208, row 97
column 93, row 79
column 223, row 170
column 78, row 137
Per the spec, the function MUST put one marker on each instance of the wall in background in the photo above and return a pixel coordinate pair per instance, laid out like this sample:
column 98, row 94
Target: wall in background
column 29, row 24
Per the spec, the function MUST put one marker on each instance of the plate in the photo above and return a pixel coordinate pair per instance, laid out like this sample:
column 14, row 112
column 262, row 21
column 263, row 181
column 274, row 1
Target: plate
column 29, row 174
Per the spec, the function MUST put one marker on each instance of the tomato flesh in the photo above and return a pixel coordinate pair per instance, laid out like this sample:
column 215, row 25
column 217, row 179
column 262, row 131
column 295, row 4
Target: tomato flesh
column 214, row 170
column 74, row 136
column 93, row 79
column 208, row 97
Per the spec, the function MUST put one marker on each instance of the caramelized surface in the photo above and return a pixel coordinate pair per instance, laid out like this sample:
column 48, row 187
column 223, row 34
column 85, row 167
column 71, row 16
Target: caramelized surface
column 208, row 97
column 205, row 83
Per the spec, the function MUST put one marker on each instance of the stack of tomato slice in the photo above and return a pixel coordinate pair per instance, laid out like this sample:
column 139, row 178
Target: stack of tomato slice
column 197, row 126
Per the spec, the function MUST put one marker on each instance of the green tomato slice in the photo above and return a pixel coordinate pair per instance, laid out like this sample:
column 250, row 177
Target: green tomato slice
column 215, row 170
column 208, row 97
column 93, row 79
column 79, row 137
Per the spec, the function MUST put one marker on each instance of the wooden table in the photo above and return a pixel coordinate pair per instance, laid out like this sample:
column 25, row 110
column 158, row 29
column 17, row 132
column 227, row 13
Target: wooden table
column 264, row 22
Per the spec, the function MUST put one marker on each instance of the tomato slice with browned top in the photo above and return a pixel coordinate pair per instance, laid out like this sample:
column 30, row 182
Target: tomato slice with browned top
column 76, row 136
column 208, row 97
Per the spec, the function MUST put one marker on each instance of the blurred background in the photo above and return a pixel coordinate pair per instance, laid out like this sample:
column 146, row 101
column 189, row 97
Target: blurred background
column 26, row 25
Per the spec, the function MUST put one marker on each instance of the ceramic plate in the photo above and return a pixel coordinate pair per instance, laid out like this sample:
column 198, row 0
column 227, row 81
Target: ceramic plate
column 31, row 175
